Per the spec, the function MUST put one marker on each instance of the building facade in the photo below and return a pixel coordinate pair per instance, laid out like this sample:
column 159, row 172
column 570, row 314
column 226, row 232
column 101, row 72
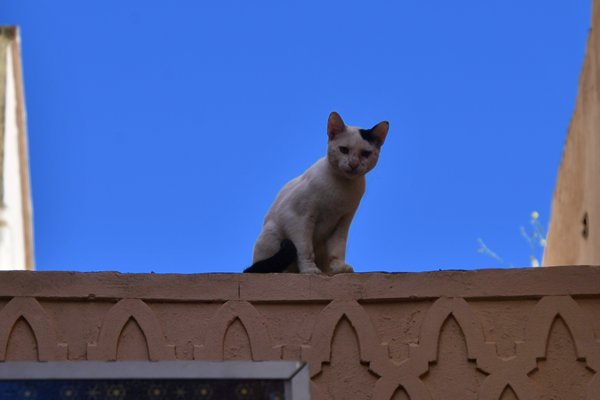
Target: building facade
column 16, row 228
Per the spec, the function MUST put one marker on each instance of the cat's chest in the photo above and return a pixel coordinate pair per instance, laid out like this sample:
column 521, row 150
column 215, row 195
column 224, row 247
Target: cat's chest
column 318, row 196
column 330, row 202
column 333, row 200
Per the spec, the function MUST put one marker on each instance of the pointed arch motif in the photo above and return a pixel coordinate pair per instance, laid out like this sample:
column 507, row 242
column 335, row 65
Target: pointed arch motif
column 370, row 349
column 508, row 389
column 537, row 334
column 538, row 329
column 386, row 387
column 114, row 323
column 508, row 373
column 252, row 321
column 515, row 371
column 42, row 325
column 478, row 350
column 500, row 372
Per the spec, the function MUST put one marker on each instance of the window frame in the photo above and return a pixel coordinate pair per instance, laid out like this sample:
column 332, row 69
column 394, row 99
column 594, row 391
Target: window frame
column 294, row 374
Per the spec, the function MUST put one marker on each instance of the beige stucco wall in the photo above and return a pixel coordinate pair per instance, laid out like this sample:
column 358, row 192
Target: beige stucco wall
column 453, row 335
column 574, row 233
column 16, row 225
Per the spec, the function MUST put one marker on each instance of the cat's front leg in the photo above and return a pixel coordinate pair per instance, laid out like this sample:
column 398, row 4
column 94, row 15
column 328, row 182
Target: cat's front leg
column 336, row 247
column 301, row 235
column 306, row 258
column 338, row 266
column 308, row 267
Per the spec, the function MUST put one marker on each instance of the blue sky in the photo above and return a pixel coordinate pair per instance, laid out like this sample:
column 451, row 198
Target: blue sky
column 160, row 132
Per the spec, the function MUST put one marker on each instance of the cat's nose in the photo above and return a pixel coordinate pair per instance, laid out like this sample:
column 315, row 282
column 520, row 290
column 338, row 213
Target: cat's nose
column 354, row 164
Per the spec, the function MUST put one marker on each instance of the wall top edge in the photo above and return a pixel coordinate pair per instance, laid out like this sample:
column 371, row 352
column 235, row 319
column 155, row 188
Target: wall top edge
column 213, row 287
column 10, row 32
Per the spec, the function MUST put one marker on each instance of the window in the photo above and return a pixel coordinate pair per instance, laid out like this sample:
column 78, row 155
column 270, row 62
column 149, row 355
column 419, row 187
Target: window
column 164, row 380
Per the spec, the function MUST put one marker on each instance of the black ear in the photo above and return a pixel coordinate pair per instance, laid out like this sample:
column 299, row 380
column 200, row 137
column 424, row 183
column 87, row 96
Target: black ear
column 335, row 125
column 379, row 132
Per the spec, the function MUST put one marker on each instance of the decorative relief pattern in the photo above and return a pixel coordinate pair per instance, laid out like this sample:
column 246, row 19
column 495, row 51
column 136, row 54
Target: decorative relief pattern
column 251, row 320
column 114, row 323
column 509, row 377
column 319, row 350
column 42, row 325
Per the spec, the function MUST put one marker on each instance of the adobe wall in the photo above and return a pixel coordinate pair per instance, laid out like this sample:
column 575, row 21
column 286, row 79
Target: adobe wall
column 489, row 334
column 574, row 233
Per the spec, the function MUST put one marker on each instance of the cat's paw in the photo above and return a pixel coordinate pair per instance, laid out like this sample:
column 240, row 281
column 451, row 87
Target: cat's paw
column 340, row 267
column 309, row 268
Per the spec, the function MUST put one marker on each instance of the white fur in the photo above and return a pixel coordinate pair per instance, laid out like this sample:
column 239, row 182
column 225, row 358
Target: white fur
column 315, row 209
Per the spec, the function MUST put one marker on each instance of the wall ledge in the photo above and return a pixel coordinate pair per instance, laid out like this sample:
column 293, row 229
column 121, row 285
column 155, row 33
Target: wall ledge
column 485, row 283
column 484, row 334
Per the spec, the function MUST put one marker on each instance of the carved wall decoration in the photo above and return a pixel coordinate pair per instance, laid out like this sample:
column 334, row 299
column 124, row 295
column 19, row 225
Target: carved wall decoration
column 108, row 341
column 253, row 323
column 316, row 316
column 42, row 325
column 319, row 351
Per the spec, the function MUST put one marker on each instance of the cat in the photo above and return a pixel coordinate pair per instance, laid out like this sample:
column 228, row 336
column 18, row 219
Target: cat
column 306, row 228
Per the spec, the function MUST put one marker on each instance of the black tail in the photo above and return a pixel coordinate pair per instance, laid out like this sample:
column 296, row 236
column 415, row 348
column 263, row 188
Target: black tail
column 277, row 263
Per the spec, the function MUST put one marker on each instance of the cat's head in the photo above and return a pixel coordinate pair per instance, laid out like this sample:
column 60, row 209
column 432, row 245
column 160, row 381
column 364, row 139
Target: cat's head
column 354, row 151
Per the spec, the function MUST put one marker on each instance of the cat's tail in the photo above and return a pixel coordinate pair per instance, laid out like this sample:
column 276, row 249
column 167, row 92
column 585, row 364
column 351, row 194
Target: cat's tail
column 278, row 262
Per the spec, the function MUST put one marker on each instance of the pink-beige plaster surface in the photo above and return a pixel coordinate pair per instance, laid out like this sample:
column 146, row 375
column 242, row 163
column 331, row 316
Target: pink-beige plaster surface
column 489, row 334
column 574, row 233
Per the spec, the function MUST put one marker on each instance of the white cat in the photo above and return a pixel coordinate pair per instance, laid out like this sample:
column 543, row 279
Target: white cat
column 307, row 226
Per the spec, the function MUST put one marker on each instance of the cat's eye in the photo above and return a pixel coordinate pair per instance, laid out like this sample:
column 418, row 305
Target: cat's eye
column 365, row 153
column 344, row 150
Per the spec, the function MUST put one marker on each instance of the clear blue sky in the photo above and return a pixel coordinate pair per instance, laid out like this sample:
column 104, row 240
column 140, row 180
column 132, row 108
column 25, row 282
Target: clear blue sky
column 160, row 132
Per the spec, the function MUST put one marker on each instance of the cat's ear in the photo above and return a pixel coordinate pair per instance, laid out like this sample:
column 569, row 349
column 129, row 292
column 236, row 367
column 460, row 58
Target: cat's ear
column 379, row 132
column 335, row 125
